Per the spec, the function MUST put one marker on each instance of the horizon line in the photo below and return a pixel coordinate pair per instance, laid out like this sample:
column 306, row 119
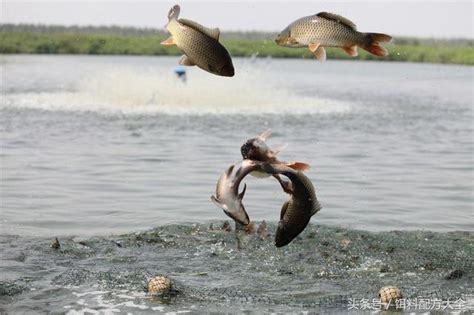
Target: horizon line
column 125, row 26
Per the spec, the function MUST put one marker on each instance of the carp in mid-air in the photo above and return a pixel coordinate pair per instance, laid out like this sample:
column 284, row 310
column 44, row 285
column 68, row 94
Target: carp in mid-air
column 199, row 44
column 297, row 211
column 227, row 195
column 330, row 30
column 256, row 149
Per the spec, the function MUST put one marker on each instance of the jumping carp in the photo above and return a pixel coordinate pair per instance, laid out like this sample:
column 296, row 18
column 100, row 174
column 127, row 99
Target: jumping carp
column 295, row 213
column 227, row 195
column 298, row 210
column 257, row 149
column 199, row 44
column 330, row 30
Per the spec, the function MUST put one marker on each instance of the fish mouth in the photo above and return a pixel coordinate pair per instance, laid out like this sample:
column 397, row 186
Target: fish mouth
column 278, row 38
column 283, row 40
column 281, row 237
column 287, row 42
column 227, row 71
column 246, row 148
column 244, row 221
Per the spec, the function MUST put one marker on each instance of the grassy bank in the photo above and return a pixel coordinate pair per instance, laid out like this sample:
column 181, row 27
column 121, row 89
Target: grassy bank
column 15, row 42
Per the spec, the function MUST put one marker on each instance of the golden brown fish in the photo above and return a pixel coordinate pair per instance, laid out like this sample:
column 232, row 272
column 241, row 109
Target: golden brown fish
column 298, row 210
column 295, row 213
column 199, row 44
column 330, row 30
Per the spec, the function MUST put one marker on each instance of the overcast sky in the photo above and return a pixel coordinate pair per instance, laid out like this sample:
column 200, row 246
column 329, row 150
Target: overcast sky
column 445, row 19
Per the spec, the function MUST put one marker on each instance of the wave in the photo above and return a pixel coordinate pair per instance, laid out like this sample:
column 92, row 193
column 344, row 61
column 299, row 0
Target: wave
column 129, row 91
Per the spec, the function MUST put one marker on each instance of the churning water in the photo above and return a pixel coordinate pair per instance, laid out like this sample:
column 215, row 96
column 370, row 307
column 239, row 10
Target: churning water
column 93, row 147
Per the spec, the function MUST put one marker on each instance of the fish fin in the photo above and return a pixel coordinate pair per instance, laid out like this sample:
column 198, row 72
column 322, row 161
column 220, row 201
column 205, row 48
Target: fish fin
column 374, row 41
column 313, row 46
column 298, row 166
column 241, row 195
column 280, row 149
column 320, row 53
column 168, row 42
column 265, row 135
column 211, row 32
column 283, row 209
column 185, row 61
column 292, row 41
column 380, row 38
column 174, row 12
column 229, row 170
column 377, row 50
column 351, row 50
column 286, row 185
column 338, row 19
column 216, row 201
column 316, row 208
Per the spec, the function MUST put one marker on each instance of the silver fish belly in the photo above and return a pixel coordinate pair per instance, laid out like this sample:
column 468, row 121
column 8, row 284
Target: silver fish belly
column 227, row 195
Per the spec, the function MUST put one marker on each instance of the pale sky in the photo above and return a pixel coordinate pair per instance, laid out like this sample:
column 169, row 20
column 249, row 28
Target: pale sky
column 445, row 19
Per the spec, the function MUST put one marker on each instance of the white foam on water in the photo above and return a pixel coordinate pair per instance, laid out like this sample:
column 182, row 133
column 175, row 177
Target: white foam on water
column 130, row 91
column 90, row 293
column 112, row 304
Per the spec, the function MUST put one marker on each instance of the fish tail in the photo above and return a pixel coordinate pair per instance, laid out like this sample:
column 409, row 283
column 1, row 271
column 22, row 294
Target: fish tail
column 266, row 134
column 373, row 43
column 298, row 166
column 174, row 12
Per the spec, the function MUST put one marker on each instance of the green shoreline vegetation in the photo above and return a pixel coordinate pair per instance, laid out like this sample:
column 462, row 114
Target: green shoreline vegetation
column 34, row 39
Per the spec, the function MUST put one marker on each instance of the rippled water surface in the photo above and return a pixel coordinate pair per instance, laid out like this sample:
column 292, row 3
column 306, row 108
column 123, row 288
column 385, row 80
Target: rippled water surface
column 95, row 147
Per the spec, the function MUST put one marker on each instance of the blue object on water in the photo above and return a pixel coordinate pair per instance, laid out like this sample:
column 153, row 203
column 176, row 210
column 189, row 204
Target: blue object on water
column 179, row 70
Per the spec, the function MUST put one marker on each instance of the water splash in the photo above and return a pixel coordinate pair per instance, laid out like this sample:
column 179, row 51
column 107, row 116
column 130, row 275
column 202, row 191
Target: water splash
column 130, row 91
column 320, row 271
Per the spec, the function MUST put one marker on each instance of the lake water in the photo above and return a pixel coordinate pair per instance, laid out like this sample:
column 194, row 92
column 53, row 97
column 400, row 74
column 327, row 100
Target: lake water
column 97, row 145
column 94, row 147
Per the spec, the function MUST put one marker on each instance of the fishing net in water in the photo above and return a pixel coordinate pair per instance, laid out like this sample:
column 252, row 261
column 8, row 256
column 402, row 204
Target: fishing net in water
column 324, row 268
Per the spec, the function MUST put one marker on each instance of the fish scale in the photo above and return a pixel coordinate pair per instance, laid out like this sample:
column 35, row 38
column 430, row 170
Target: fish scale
column 330, row 30
column 298, row 210
column 327, row 32
column 199, row 44
column 297, row 207
column 198, row 47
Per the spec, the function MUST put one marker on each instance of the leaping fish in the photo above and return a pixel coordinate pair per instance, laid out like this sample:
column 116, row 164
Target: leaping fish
column 227, row 195
column 295, row 213
column 199, row 44
column 331, row 30
column 298, row 210
column 257, row 149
